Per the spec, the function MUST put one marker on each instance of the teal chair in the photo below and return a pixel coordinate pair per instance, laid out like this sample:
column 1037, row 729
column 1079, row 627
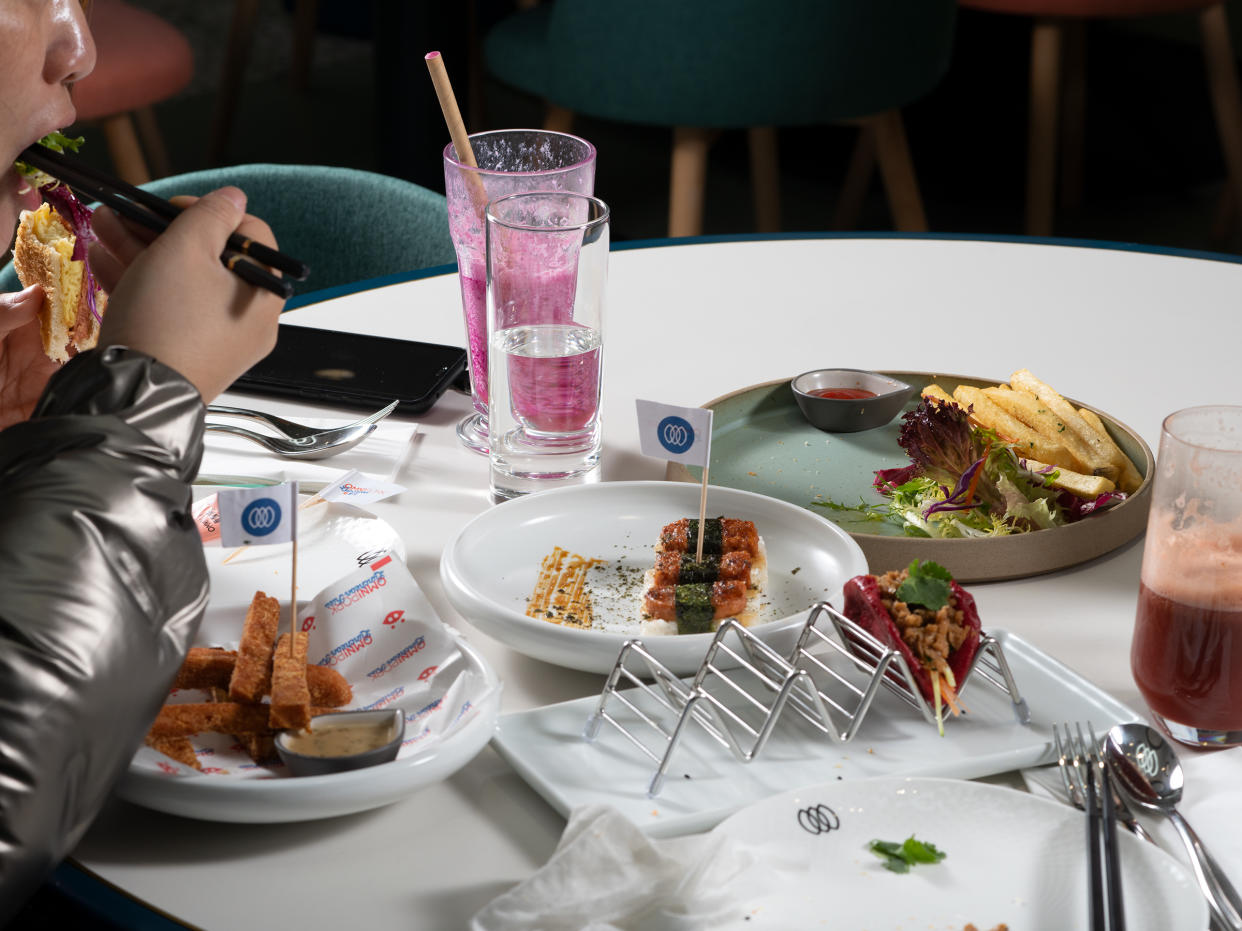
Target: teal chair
column 702, row 66
column 348, row 225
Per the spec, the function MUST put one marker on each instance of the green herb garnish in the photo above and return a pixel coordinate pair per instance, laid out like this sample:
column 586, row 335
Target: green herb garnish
column 927, row 585
column 900, row 857
column 57, row 142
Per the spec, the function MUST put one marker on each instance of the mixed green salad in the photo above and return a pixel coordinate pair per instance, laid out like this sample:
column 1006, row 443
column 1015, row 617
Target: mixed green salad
column 964, row 481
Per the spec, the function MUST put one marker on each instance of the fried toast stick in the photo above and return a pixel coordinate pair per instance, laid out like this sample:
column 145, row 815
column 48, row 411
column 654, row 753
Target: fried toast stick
column 208, row 668
column 177, row 748
column 290, row 707
column 218, row 717
column 252, row 674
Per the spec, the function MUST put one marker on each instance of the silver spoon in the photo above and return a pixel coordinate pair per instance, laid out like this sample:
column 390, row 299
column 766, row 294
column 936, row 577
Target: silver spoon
column 314, row 447
column 1148, row 772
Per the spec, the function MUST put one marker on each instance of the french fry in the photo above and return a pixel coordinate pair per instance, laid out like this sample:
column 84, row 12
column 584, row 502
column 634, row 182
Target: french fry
column 987, row 413
column 936, row 392
column 1082, row 486
column 1130, row 479
column 290, row 706
column 252, row 675
column 1039, row 417
column 1102, row 457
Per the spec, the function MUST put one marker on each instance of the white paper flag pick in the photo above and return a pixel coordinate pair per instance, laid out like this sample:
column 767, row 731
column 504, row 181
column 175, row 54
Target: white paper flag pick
column 353, row 487
column 681, row 434
column 258, row 516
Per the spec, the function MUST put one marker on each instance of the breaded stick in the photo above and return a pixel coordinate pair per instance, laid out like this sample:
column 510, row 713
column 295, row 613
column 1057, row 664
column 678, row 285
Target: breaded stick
column 219, row 717
column 177, row 748
column 260, row 747
column 252, row 675
column 290, row 706
column 208, row 668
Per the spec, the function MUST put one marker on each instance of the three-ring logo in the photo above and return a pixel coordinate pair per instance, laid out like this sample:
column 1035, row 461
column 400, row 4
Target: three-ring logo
column 675, row 434
column 818, row 819
column 1147, row 759
column 261, row 516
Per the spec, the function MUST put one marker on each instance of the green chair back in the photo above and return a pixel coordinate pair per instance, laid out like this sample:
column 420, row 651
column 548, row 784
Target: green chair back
column 348, row 225
column 726, row 63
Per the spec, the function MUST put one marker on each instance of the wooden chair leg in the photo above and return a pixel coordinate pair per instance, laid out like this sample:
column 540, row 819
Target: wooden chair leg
column 125, row 150
column 897, row 172
column 1226, row 97
column 305, row 17
column 1046, row 41
column 152, row 142
column 1073, row 114
column 688, row 180
column 765, row 178
column 558, row 119
column 857, row 179
column 241, row 34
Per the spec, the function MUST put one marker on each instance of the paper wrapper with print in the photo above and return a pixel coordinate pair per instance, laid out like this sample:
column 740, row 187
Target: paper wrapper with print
column 376, row 628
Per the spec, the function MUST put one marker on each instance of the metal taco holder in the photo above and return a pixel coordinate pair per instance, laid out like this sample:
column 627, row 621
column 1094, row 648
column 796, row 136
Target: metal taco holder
column 764, row 682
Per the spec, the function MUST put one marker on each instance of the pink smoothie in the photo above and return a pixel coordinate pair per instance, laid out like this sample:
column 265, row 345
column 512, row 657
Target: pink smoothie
column 474, row 302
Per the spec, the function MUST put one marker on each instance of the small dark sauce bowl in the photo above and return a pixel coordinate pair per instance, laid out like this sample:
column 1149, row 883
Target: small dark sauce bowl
column 840, row 415
column 303, row 764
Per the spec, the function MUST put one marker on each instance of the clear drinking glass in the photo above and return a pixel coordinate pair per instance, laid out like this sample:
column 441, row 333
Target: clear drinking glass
column 1186, row 655
column 510, row 161
column 547, row 265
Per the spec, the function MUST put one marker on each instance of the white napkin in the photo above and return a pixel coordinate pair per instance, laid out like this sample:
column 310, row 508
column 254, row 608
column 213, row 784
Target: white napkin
column 1211, row 802
column 606, row 875
column 231, row 460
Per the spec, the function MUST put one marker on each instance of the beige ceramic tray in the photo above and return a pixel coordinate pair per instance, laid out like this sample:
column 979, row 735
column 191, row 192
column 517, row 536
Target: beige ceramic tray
column 761, row 443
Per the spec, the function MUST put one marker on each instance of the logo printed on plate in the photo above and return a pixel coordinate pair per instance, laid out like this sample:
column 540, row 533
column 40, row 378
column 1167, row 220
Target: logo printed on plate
column 818, row 819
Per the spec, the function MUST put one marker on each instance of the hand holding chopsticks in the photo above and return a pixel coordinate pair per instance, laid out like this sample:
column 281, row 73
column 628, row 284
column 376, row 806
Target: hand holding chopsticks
column 242, row 256
column 1088, row 785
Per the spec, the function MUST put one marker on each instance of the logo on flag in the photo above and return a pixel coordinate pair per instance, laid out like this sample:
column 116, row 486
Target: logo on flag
column 681, row 434
column 258, row 516
column 675, row 434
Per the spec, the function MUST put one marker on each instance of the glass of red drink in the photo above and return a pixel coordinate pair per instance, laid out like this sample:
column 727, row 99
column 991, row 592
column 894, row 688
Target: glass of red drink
column 1186, row 655
column 547, row 263
column 509, row 161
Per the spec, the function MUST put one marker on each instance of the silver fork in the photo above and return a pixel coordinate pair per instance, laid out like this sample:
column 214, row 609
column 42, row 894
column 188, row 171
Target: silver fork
column 288, row 428
column 1087, row 784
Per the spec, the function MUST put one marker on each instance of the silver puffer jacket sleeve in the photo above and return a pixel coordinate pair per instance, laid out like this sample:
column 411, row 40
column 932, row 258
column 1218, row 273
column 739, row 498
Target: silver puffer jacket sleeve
column 102, row 586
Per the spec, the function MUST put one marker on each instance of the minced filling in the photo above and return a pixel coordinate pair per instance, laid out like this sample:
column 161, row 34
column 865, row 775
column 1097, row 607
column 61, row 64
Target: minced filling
column 931, row 635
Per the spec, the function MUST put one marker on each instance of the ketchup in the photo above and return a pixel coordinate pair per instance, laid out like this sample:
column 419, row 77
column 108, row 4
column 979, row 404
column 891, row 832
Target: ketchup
column 843, row 394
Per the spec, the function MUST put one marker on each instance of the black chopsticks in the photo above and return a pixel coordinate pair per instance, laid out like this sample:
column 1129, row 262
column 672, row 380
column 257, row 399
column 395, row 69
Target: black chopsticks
column 1106, row 910
column 242, row 256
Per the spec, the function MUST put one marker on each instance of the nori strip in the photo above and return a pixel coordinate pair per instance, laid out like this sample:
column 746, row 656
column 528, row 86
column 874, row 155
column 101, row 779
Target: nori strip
column 693, row 604
column 713, row 534
column 690, row 572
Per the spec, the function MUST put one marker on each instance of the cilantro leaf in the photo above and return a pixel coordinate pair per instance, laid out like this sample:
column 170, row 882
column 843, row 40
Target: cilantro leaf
column 899, row 857
column 926, row 585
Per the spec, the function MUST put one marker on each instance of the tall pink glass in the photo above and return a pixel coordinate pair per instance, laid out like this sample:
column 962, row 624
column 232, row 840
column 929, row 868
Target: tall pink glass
column 510, row 161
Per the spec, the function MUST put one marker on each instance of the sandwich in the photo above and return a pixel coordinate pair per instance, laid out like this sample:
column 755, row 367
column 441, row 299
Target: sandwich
column 51, row 250
column 928, row 618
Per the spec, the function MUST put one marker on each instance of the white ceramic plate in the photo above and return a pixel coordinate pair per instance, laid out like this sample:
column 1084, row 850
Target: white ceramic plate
column 269, row 801
column 706, row 784
column 333, row 540
column 489, row 569
column 1011, row 858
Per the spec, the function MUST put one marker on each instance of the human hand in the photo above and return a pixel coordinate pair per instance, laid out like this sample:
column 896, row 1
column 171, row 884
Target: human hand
column 24, row 368
column 170, row 297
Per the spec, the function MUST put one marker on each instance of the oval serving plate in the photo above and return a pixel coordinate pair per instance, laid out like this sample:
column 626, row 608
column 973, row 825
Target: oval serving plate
column 490, row 568
column 762, row 443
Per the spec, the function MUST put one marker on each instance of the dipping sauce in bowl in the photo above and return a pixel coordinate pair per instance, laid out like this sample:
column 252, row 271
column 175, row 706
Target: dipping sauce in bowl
column 849, row 400
column 343, row 741
column 843, row 394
